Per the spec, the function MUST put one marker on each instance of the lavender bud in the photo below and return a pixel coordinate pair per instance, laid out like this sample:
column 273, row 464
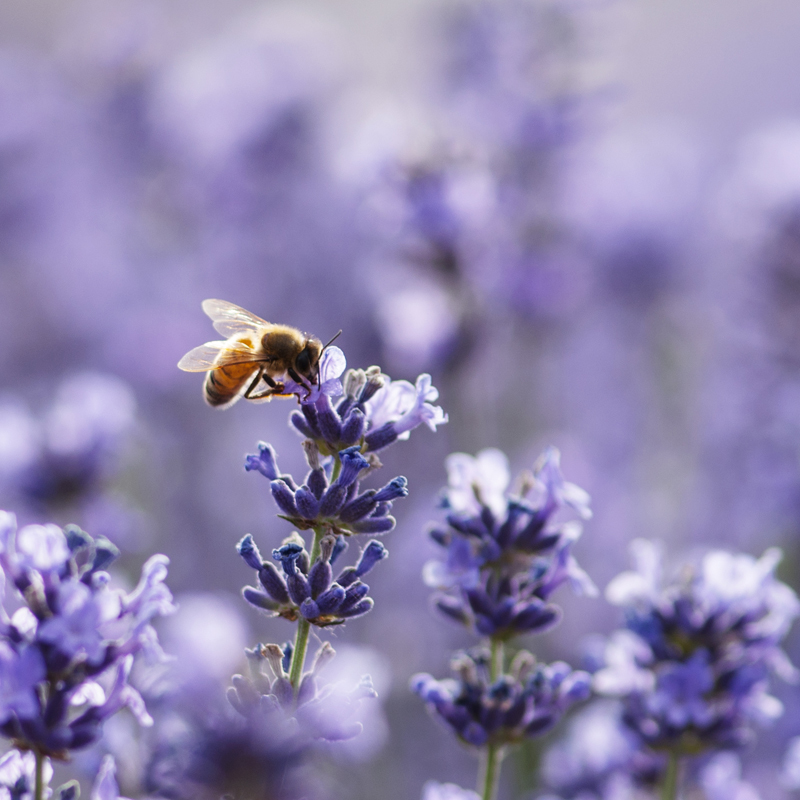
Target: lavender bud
column 317, row 481
column 347, row 576
column 323, row 657
column 373, row 553
column 297, row 583
column 247, row 694
column 283, row 690
column 381, row 437
column 300, row 424
column 536, row 617
column 329, row 423
column 333, row 500
column 307, row 503
column 357, row 610
column 310, row 413
column 394, row 489
column 338, row 549
column 374, row 381
column 249, row 552
column 233, row 699
column 265, row 462
column 353, row 426
column 284, row 497
column 353, row 382
column 312, row 453
column 452, row 607
column 319, row 578
column 272, row 581
column 288, row 554
column 309, row 609
column 374, row 525
column 359, row 507
column 353, row 594
column 326, row 547
column 307, row 690
column 286, row 662
column 259, row 599
column 352, row 463
column 330, row 600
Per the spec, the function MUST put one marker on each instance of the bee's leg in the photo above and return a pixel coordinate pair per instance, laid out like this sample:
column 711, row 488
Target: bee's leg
column 248, row 395
column 275, row 387
column 297, row 379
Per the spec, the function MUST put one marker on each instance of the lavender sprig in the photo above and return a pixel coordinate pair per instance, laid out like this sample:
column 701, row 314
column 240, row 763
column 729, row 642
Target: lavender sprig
column 503, row 556
column 693, row 663
column 345, row 419
column 66, row 653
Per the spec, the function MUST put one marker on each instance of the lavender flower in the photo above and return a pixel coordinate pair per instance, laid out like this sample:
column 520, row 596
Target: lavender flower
column 694, row 662
column 75, row 446
column 325, row 503
column 721, row 779
column 503, row 555
column 105, row 786
column 17, row 775
column 66, row 654
column 599, row 757
column 524, row 703
column 314, row 712
column 309, row 590
column 206, row 751
column 374, row 411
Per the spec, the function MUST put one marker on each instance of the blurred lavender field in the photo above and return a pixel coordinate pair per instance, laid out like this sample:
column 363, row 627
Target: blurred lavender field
column 581, row 218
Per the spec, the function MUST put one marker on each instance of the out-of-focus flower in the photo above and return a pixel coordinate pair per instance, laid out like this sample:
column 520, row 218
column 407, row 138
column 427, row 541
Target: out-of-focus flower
column 524, row 703
column 446, row 791
column 693, row 666
column 314, row 712
column 790, row 774
column 18, row 775
column 66, row 458
column 599, row 757
column 721, row 779
column 504, row 555
column 66, row 654
column 105, row 786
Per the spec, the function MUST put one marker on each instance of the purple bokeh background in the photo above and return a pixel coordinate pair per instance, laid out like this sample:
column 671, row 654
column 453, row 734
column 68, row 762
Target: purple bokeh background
column 582, row 218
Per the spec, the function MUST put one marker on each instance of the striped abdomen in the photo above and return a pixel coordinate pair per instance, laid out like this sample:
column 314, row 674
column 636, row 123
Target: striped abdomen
column 224, row 384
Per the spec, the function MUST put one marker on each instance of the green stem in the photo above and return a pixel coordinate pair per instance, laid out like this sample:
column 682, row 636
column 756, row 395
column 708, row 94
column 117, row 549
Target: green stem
column 492, row 756
column 303, row 626
column 669, row 790
column 489, row 779
column 496, row 667
column 39, row 779
column 337, row 468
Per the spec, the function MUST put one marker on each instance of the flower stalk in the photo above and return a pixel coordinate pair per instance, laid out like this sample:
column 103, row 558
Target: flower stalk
column 669, row 788
column 303, row 626
column 38, row 792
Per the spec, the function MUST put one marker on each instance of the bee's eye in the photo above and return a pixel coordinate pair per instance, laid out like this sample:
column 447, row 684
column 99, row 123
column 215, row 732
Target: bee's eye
column 303, row 361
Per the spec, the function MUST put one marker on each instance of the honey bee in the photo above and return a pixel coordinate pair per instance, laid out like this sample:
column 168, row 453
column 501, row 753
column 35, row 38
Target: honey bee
column 254, row 350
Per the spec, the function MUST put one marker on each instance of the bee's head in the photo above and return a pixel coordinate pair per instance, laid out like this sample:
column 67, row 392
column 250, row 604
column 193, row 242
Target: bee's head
column 307, row 361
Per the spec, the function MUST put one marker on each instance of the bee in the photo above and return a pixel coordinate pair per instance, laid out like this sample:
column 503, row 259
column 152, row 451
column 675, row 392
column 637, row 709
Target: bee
column 254, row 350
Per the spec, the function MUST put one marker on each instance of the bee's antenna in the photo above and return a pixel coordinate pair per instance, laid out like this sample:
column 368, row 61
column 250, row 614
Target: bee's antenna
column 331, row 341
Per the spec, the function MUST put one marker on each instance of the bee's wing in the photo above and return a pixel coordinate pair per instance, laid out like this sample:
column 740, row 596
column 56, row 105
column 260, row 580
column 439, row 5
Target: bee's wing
column 229, row 319
column 212, row 355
